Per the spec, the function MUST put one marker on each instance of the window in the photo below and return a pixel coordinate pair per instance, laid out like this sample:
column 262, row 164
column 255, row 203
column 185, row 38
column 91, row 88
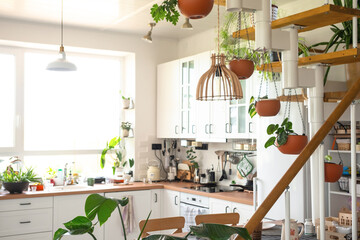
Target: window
column 7, row 101
column 70, row 110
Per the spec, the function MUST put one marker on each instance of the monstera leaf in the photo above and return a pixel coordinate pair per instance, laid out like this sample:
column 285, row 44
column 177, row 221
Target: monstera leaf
column 219, row 231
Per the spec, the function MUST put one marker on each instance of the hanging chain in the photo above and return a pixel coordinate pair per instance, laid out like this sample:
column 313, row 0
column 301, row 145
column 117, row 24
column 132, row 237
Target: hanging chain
column 262, row 79
column 238, row 39
column 272, row 71
column 247, row 32
column 288, row 106
column 301, row 116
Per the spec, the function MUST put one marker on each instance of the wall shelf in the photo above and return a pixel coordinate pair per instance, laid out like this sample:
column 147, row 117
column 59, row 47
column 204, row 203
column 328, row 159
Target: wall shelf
column 309, row 20
column 341, row 151
column 220, row 2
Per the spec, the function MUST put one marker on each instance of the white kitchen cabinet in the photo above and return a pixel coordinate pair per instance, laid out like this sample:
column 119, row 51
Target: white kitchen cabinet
column 171, row 206
column 168, row 98
column 35, row 236
column 141, row 206
column 156, row 203
column 221, row 206
column 67, row 208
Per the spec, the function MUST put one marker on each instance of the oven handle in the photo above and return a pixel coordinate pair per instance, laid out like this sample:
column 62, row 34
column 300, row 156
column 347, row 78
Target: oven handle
column 189, row 204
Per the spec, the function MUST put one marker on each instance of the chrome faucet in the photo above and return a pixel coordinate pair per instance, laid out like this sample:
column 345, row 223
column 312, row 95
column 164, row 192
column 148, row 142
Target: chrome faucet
column 65, row 174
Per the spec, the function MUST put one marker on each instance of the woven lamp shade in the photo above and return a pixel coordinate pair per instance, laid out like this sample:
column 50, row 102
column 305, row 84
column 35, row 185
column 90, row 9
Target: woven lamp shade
column 218, row 83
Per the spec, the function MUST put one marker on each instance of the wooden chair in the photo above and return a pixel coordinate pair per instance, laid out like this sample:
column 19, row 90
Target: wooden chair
column 159, row 224
column 221, row 218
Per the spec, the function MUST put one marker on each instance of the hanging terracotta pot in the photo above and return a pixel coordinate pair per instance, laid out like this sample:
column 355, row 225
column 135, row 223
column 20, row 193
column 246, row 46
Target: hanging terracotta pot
column 267, row 107
column 195, row 9
column 333, row 172
column 294, row 145
column 243, row 68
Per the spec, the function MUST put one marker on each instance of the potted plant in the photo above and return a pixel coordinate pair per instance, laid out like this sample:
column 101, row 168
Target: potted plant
column 18, row 181
column 333, row 171
column 264, row 106
column 285, row 139
column 119, row 161
column 193, row 9
column 126, row 101
column 125, row 126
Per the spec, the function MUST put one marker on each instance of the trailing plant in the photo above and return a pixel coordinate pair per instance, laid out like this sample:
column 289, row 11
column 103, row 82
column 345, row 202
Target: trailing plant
column 252, row 110
column 95, row 206
column 166, row 10
column 281, row 133
column 11, row 176
column 190, row 155
column 113, row 146
column 126, row 125
column 342, row 35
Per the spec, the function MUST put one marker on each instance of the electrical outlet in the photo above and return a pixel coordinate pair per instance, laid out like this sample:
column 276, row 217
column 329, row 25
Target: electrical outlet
column 156, row 146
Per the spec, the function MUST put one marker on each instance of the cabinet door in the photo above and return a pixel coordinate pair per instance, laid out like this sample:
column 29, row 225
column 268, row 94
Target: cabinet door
column 203, row 120
column 245, row 211
column 172, row 206
column 156, row 203
column 217, row 123
column 35, row 236
column 67, row 208
column 219, row 206
column 168, row 96
column 141, row 208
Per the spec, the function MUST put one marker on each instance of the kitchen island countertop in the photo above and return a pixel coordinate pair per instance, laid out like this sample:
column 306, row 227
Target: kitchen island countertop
column 239, row 197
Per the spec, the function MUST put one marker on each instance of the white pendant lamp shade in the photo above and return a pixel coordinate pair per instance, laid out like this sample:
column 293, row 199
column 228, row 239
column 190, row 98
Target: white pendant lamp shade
column 61, row 64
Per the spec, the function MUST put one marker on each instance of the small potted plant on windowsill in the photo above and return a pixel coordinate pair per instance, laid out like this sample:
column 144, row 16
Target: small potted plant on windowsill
column 333, row 171
column 126, row 101
column 125, row 126
column 285, row 139
column 18, row 181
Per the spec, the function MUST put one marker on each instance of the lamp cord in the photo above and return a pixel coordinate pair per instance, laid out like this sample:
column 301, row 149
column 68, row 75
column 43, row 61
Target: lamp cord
column 218, row 12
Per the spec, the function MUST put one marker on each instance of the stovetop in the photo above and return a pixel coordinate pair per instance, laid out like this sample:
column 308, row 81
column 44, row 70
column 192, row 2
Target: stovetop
column 215, row 189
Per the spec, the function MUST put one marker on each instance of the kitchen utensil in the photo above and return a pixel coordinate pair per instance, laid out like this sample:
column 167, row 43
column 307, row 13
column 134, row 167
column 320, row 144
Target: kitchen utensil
column 294, row 230
column 230, row 170
column 234, row 159
column 223, row 176
column 244, row 167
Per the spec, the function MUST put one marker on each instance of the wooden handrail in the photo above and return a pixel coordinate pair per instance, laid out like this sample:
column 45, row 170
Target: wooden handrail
column 302, row 158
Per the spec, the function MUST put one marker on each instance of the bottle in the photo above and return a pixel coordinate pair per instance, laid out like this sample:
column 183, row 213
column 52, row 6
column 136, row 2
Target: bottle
column 60, row 177
column 309, row 227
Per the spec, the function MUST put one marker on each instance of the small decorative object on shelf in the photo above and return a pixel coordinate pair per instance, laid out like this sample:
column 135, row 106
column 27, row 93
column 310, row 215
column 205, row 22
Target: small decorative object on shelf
column 127, row 102
column 333, row 171
column 125, row 126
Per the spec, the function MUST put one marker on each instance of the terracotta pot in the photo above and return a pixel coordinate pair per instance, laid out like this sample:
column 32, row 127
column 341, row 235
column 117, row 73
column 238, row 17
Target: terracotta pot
column 267, row 107
column 294, row 145
column 333, row 172
column 243, row 68
column 195, row 9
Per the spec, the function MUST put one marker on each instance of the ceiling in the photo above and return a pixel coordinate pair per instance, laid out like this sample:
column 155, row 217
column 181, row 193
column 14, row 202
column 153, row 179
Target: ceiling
column 131, row 16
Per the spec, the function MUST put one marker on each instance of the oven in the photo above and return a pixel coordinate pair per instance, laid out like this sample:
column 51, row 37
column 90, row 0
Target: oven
column 192, row 205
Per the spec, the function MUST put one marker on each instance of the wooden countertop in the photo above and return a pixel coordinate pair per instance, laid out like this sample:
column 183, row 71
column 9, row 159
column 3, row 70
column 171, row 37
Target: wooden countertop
column 239, row 197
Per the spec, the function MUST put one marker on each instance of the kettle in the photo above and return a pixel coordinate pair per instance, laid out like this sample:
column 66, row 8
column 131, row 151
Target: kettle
column 153, row 173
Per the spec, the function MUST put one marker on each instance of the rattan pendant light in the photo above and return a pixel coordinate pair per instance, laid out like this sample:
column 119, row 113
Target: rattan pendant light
column 218, row 83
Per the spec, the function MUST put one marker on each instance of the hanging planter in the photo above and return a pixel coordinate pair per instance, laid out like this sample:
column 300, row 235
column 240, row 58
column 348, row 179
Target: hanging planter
column 195, row 9
column 243, row 68
column 294, row 144
column 267, row 107
column 333, row 171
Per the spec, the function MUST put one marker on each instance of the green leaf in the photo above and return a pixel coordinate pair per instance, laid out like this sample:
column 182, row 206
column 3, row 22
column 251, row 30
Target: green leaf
column 102, row 159
column 162, row 237
column 59, row 233
column 219, row 231
column 328, row 158
column 92, row 204
column 79, row 225
column 282, row 138
column 285, row 121
column 252, row 99
column 113, row 142
column 131, row 162
column 288, row 126
column 143, row 228
column 123, row 202
column 270, row 142
column 105, row 210
column 272, row 128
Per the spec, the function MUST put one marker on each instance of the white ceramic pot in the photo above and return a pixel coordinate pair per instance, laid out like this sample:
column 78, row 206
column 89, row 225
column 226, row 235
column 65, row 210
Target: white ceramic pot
column 125, row 133
column 126, row 103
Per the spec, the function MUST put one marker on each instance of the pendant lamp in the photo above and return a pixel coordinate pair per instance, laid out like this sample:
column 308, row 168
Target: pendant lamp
column 218, row 83
column 61, row 64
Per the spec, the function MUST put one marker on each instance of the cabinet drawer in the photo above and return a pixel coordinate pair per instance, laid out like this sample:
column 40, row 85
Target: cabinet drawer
column 34, row 236
column 28, row 221
column 26, row 203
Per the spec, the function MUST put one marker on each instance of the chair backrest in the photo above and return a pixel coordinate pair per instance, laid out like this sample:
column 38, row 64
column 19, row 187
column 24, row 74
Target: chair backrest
column 221, row 218
column 158, row 224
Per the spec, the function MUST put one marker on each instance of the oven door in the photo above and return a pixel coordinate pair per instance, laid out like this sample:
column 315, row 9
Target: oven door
column 189, row 212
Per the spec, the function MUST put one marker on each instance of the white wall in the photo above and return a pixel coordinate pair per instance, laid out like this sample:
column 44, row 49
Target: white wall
column 147, row 56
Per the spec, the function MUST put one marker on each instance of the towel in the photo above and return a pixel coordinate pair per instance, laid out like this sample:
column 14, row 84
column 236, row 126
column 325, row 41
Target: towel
column 128, row 216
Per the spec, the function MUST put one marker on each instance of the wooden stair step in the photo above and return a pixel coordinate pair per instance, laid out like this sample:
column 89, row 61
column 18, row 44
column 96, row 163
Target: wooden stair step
column 336, row 96
column 331, row 59
column 312, row 19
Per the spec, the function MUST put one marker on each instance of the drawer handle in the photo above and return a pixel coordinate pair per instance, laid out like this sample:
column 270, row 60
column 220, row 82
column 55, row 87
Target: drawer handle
column 24, row 204
column 25, row 222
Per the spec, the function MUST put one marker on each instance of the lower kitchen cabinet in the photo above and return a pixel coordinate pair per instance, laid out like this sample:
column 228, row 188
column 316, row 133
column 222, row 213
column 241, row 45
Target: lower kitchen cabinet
column 156, row 203
column 221, row 206
column 35, row 236
column 67, row 208
column 141, row 206
column 172, row 206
